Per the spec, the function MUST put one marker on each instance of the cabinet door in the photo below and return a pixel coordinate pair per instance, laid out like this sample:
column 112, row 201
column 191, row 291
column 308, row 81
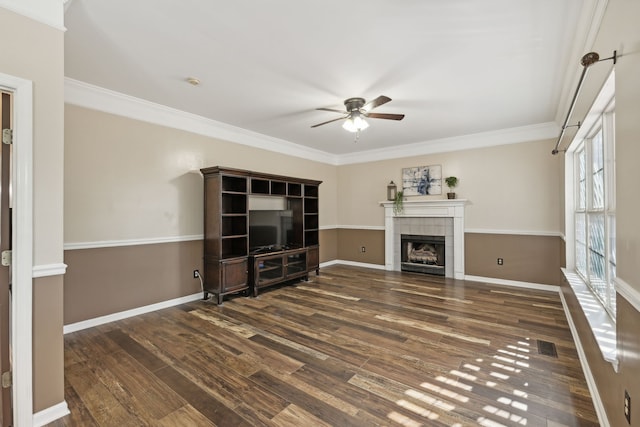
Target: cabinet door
column 297, row 263
column 269, row 270
column 234, row 274
column 313, row 258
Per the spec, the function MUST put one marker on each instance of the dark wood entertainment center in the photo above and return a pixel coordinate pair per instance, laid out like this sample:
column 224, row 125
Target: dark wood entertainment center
column 229, row 266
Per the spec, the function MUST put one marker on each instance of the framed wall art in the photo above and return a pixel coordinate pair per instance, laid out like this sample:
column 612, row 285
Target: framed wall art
column 422, row 180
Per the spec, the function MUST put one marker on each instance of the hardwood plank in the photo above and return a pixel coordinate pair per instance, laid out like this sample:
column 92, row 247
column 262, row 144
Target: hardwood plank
column 294, row 416
column 204, row 403
column 317, row 407
column 185, row 416
column 353, row 346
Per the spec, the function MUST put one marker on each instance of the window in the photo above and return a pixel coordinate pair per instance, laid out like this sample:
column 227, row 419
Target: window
column 594, row 208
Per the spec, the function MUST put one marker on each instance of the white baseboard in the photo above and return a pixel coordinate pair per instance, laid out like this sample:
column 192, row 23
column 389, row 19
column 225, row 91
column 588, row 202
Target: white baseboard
column 591, row 382
column 513, row 283
column 50, row 414
column 73, row 327
column 352, row 263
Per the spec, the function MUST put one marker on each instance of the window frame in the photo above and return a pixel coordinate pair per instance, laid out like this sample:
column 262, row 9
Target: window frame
column 585, row 207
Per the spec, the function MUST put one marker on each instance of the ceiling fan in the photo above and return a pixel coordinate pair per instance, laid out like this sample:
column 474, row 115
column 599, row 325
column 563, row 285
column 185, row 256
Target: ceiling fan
column 357, row 109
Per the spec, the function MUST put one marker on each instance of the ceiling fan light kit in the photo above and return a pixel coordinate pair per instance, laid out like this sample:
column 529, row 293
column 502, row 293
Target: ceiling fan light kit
column 355, row 123
column 356, row 111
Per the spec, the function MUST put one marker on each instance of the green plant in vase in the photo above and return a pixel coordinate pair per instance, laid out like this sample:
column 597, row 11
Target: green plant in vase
column 398, row 203
column 451, row 182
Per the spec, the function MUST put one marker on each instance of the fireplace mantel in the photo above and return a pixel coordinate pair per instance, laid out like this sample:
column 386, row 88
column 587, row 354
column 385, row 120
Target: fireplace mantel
column 448, row 208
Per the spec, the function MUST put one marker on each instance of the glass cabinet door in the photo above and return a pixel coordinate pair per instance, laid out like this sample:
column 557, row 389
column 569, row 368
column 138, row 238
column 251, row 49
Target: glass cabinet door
column 297, row 263
column 270, row 269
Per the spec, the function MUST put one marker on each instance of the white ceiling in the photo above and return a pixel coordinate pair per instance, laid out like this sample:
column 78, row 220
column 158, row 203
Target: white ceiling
column 454, row 68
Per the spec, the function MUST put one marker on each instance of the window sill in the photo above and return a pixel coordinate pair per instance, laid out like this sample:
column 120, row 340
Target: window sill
column 601, row 324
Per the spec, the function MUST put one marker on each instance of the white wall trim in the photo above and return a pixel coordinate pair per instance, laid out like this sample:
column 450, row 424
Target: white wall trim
column 591, row 382
column 50, row 414
column 627, row 292
column 131, row 242
column 108, row 101
column 97, row 98
column 46, row 270
column 360, row 227
column 90, row 323
column 22, row 266
column 515, row 232
column 513, row 283
column 353, row 264
column 467, row 230
column 537, row 132
column 47, row 12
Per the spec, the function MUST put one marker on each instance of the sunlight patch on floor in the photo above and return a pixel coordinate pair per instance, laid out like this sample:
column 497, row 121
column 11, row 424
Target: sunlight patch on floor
column 445, row 392
column 403, row 420
column 417, row 409
column 430, row 400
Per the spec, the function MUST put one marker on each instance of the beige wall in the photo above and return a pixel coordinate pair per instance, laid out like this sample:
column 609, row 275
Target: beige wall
column 34, row 51
column 127, row 180
column 509, row 187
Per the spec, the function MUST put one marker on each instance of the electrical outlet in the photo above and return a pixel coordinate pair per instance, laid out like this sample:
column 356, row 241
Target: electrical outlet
column 627, row 406
column 363, row 249
column 500, row 261
column 196, row 274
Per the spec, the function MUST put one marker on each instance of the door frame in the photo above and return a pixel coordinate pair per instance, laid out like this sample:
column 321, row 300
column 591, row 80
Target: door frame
column 22, row 246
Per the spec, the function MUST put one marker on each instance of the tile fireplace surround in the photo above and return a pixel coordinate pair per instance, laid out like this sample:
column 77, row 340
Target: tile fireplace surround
column 435, row 217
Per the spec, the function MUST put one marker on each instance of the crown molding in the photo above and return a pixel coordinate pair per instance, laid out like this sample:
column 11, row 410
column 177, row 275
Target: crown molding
column 97, row 98
column 537, row 132
column 90, row 96
column 47, row 12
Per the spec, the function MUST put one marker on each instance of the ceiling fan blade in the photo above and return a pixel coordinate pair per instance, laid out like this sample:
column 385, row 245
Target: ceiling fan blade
column 385, row 116
column 376, row 103
column 329, row 121
column 332, row 110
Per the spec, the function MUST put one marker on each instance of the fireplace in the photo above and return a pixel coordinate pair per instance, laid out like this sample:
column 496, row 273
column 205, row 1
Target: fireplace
column 428, row 218
column 423, row 254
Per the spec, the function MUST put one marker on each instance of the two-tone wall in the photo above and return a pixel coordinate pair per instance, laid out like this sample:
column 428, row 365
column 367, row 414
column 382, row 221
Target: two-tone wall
column 514, row 194
column 134, row 208
column 133, row 204
column 33, row 51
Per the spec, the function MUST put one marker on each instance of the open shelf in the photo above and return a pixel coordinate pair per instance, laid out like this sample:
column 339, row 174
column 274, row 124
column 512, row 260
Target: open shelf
column 260, row 186
column 234, row 184
column 310, row 190
column 294, row 189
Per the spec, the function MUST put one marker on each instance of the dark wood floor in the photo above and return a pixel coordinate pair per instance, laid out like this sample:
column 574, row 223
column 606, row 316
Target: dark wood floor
column 352, row 347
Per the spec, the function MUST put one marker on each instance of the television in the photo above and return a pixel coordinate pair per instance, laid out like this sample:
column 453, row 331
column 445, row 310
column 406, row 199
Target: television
column 270, row 229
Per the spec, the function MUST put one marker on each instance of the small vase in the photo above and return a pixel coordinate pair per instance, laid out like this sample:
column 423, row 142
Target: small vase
column 451, row 195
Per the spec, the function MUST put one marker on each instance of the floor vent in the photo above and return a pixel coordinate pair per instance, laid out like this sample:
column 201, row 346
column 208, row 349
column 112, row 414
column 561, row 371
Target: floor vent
column 547, row 348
